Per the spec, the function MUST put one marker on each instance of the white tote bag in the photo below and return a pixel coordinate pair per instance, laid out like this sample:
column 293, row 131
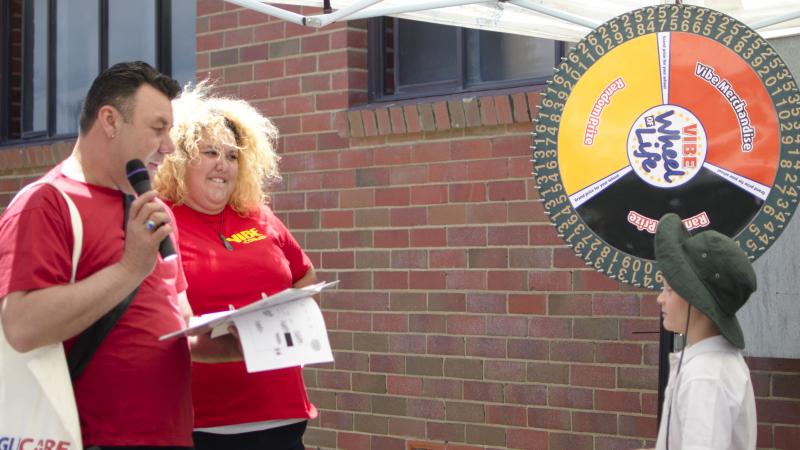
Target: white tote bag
column 37, row 405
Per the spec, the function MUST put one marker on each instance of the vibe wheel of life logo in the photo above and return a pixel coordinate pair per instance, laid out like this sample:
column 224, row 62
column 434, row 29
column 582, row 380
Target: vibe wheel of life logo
column 670, row 108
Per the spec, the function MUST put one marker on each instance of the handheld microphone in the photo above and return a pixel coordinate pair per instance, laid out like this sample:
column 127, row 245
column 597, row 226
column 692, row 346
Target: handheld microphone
column 140, row 180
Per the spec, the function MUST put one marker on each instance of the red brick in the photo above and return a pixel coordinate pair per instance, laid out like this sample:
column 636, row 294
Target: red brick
column 441, row 116
column 507, row 326
column 447, row 432
column 528, row 349
column 370, row 124
column 620, row 401
column 558, row 440
column 487, row 213
column 786, row 437
column 487, row 170
column 392, row 196
column 356, row 124
column 412, row 119
column 550, row 327
column 406, row 343
column 520, row 106
column 450, row 172
column 640, row 426
column 550, row 419
column 471, row 111
column 593, row 376
column 316, row 122
column 526, row 303
column 457, row 117
column 239, row 37
column 314, row 44
column 470, row 149
column 427, row 122
column 504, row 370
column 372, row 218
column 466, row 236
column 428, row 195
column 400, row 426
column 284, row 87
column 566, row 258
column 486, row 347
column 645, row 378
column 212, row 41
column 322, row 82
column 594, row 422
column 529, row 257
column 447, row 258
column 391, row 238
column 466, row 279
column 466, row 324
column 506, row 280
column 487, row 110
column 352, row 441
column 485, row 392
column 362, row 198
column 616, row 353
column 354, row 321
column 549, row 280
column 442, row 388
column 340, row 421
column 500, row 191
column 207, row 7
column 526, row 439
column 513, row 146
column 408, row 217
column 412, row 174
column 452, row 302
column 223, row 21
column 508, row 235
column 398, row 120
column 427, row 280
column 574, row 351
column 269, row 32
column 570, row 397
column 430, row 237
column 445, row 345
column 786, row 385
column 505, row 415
column 533, row 102
column 268, row 70
column 778, row 411
column 639, row 330
column 502, row 106
column 362, row 158
column 424, row 152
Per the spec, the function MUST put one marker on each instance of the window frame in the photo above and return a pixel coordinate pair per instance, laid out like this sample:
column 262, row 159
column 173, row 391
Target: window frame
column 163, row 60
column 376, row 45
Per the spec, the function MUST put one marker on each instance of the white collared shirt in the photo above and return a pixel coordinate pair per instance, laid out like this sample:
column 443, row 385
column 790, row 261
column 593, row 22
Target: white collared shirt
column 714, row 408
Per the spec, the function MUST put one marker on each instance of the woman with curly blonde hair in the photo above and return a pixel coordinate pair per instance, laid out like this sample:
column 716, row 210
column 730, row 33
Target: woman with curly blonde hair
column 234, row 248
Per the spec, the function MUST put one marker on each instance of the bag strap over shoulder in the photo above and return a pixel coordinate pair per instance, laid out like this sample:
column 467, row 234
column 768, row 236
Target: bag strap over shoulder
column 89, row 340
column 74, row 217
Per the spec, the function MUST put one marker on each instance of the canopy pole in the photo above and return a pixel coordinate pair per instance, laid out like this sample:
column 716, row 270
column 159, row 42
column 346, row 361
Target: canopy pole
column 774, row 20
column 577, row 20
column 320, row 21
column 271, row 11
column 378, row 11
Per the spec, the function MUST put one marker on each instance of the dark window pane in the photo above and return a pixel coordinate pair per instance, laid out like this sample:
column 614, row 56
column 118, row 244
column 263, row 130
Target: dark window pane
column 498, row 56
column 34, row 76
column 77, row 59
column 131, row 31
column 184, row 14
column 426, row 53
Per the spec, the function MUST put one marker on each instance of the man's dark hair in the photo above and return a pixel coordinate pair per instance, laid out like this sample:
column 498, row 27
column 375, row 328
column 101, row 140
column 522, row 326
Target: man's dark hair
column 117, row 85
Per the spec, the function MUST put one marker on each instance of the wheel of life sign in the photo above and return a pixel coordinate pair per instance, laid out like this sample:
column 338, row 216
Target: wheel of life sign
column 671, row 108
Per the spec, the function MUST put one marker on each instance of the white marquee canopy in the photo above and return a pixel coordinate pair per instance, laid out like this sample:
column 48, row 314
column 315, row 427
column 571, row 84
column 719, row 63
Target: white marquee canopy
column 567, row 20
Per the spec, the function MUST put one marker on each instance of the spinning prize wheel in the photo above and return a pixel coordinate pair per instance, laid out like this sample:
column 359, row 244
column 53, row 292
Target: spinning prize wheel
column 671, row 108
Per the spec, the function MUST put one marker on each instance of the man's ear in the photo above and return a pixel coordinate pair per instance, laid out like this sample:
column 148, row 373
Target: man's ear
column 109, row 119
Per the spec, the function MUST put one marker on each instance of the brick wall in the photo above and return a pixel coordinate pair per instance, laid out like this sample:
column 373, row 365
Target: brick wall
column 460, row 319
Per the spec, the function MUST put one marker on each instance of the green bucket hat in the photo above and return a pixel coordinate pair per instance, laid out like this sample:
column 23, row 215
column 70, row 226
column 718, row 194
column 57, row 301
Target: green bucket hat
column 708, row 270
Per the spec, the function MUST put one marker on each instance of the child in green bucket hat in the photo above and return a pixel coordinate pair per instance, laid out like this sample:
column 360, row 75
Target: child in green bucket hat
column 709, row 401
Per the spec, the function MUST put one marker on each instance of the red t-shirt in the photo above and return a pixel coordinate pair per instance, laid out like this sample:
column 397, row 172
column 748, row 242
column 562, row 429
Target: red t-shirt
column 135, row 390
column 265, row 258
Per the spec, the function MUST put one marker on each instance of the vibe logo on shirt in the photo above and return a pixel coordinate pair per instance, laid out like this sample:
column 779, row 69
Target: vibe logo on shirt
column 246, row 236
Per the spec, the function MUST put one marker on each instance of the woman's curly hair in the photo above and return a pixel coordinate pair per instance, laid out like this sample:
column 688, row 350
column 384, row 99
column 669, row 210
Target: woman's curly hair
column 200, row 116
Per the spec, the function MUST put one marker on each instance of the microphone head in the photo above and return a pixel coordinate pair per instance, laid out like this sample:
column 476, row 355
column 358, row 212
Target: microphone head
column 137, row 173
